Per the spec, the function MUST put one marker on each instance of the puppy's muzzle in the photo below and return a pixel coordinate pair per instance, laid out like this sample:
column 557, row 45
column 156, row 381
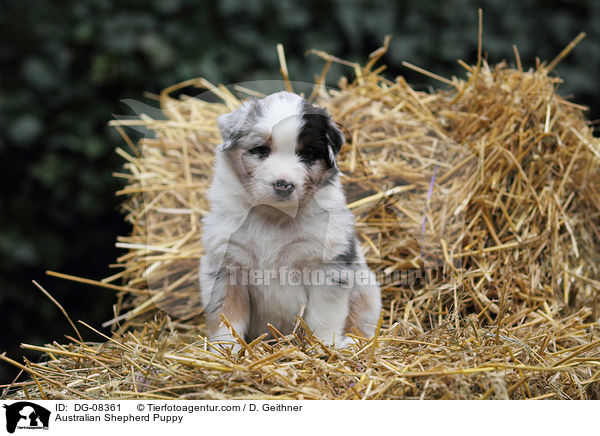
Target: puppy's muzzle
column 283, row 188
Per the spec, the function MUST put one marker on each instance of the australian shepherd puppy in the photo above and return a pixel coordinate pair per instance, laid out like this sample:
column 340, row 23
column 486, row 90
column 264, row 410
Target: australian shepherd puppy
column 279, row 238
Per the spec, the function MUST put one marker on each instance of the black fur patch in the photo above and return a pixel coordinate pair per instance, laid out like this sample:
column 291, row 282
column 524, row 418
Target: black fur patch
column 255, row 112
column 349, row 256
column 317, row 133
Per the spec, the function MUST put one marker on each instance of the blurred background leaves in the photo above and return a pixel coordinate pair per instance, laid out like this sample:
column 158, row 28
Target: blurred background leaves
column 65, row 66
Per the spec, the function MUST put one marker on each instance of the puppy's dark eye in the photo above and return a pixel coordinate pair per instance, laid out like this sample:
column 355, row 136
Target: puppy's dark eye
column 261, row 151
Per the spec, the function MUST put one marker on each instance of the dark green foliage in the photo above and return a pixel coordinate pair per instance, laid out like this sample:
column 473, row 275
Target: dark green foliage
column 65, row 65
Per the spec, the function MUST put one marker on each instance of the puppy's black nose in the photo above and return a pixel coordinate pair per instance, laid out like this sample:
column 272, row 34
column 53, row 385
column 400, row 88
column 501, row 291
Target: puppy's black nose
column 283, row 187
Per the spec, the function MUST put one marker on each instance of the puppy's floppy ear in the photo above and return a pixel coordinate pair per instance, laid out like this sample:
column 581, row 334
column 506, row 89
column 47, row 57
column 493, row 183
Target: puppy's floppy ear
column 335, row 139
column 231, row 123
column 227, row 125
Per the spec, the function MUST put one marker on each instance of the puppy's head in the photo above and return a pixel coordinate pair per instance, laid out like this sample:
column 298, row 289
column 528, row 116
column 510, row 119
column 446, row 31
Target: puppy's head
column 281, row 148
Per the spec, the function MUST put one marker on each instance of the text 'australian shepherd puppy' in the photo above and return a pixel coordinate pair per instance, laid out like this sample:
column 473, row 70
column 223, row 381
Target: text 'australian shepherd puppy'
column 279, row 237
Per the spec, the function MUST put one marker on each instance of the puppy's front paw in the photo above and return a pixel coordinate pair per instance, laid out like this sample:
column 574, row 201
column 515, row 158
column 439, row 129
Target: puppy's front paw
column 234, row 347
column 343, row 342
column 225, row 344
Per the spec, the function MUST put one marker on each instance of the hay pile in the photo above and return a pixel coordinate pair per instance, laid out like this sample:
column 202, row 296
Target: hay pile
column 493, row 185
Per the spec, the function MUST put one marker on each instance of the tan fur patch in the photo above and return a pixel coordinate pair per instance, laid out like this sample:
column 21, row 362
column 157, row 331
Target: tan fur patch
column 314, row 179
column 359, row 304
column 236, row 307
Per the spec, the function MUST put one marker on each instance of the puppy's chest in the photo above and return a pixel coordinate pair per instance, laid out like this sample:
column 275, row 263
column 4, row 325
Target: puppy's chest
column 258, row 244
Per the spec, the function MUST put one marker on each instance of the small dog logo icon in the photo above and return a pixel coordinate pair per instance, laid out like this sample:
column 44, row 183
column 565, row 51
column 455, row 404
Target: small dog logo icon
column 26, row 415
